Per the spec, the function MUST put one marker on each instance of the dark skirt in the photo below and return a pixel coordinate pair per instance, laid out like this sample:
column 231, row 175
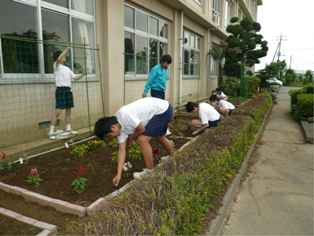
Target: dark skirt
column 64, row 98
column 157, row 94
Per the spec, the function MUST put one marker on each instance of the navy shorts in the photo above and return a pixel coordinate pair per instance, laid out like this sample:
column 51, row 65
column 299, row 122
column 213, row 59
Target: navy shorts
column 64, row 98
column 213, row 124
column 157, row 94
column 158, row 125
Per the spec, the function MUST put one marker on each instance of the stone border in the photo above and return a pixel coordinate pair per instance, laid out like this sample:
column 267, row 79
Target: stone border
column 216, row 226
column 307, row 128
column 47, row 229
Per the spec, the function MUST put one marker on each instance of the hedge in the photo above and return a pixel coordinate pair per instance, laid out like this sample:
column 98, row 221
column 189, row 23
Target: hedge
column 185, row 191
column 302, row 109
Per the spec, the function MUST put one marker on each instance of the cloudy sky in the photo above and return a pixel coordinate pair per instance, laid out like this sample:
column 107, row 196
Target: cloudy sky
column 295, row 20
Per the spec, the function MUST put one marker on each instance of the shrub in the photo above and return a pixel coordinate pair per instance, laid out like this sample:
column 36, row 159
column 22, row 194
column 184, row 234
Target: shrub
column 305, row 104
column 254, row 84
column 231, row 86
column 177, row 197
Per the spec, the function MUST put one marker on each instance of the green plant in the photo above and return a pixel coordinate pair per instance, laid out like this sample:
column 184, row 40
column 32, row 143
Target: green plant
column 305, row 105
column 33, row 178
column 133, row 153
column 94, row 144
column 231, row 86
column 79, row 184
column 254, row 83
column 80, row 150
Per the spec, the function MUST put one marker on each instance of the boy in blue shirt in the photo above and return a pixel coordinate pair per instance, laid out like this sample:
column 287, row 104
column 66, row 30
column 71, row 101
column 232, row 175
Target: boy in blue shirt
column 158, row 78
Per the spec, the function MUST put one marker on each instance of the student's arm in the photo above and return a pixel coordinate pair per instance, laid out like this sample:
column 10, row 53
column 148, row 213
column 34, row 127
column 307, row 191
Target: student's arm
column 151, row 77
column 62, row 55
column 77, row 77
column 121, row 161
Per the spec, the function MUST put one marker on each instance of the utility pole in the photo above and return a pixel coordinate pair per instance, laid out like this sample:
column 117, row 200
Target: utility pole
column 290, row 64
column 278, row 49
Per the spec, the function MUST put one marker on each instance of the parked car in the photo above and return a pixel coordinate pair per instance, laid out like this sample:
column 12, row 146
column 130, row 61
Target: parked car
column 274, row 81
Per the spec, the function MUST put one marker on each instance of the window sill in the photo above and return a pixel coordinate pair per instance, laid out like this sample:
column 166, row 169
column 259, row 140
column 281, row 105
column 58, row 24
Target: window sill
column 133, row 77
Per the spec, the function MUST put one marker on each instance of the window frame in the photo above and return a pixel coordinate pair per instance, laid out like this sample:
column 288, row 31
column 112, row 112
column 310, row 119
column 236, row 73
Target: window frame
column 190, row 48
column 217, row 12
column 42, row 76
column 132, row 75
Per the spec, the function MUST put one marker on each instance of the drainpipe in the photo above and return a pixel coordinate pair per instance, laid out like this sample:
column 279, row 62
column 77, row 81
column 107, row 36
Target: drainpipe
column 181, row 43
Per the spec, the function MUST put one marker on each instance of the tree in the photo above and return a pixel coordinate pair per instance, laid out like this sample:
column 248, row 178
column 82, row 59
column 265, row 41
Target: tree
column 218, row 55
column 308, row 76
column 244, row 49
column 275, row 69
column 290, row 76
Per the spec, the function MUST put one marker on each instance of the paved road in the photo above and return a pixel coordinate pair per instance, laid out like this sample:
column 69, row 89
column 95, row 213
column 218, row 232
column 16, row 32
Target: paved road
column 277, row 196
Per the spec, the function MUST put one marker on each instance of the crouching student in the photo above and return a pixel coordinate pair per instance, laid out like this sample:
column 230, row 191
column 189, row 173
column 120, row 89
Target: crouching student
column 138, row 121
column 208, row 115
column 223, row 106
column 220, row 94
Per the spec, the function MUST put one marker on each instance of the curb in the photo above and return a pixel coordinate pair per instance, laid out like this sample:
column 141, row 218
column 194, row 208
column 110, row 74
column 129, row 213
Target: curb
column 216, row 226
column 307, row 131
column 47, row 229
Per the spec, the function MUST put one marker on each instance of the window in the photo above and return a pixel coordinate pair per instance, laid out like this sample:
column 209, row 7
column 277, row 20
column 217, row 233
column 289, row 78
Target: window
column 216, row 12
column 18, row 55
column 55, row 28
column 145, row 41
column 199, row 2
column 85, row 6
column 191, row 55
column 20, row 51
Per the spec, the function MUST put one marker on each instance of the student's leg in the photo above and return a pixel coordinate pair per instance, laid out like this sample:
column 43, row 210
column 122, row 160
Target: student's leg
column 166, row 144
column 146, row 148
column 55, row 117
column 68, row 119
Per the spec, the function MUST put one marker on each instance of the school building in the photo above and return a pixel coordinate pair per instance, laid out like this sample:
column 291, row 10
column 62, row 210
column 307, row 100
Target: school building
column 115, row 42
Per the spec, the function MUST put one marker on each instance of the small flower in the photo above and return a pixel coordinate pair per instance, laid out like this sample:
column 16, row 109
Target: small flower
column 82, row 170
column 34, row 172
column 156, row 152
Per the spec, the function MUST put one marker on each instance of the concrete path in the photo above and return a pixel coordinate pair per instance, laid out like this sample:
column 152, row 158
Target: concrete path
column 277, row 196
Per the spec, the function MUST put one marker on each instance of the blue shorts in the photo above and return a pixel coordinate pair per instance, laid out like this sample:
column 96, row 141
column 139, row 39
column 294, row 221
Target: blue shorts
column 64, row 98
column 158, row 125
column 213, row 124
column 157, row 94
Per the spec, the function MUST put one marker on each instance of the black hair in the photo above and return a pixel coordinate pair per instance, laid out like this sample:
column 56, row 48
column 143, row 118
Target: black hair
column 56, row 55
column 103, row 126
column 190, row 106
column 166, row 59
column 213, row 98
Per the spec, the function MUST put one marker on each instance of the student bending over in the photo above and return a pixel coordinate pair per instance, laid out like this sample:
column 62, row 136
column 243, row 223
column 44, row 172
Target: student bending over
column 207, row 114
column 223, row 106
column 141, row 120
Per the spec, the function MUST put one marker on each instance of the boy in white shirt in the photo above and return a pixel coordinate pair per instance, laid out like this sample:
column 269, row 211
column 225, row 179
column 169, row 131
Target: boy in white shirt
column 223, row 106
column 220, row 94
column 63, row 95
column 207, row 114
column 140, row 121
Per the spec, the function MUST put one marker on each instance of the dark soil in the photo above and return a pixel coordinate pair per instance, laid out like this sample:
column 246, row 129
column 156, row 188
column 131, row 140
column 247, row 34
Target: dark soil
column 46, row 214
column 10, row 226
column 59, row 169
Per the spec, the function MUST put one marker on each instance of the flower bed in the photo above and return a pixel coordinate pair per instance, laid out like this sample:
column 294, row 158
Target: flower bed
column 187, row 190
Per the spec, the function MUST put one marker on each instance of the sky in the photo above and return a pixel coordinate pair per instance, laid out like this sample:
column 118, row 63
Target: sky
column 294, row 19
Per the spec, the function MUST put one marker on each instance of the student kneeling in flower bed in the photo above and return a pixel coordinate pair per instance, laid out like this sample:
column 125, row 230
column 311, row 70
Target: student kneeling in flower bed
column 141, row 120
column 223, row 106
column 208, row 115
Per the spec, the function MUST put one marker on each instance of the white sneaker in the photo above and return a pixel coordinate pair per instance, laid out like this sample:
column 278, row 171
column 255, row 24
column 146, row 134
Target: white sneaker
column 73, row 132
column 168, row 132
column 53, row 134
column 139, row 175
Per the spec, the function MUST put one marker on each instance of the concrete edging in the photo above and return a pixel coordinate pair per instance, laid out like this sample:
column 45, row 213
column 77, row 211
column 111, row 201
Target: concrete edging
column 47, row 229
column 40, row 199
column 216, row 226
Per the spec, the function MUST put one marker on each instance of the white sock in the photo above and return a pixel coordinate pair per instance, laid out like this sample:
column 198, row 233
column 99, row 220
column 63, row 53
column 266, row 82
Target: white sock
column 68, row 127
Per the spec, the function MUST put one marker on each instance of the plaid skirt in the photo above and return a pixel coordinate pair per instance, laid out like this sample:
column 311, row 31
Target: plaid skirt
column 64, row 98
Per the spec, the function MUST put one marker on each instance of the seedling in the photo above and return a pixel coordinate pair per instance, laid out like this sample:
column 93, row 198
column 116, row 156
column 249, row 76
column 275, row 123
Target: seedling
column 80, row 182
column 33, row 178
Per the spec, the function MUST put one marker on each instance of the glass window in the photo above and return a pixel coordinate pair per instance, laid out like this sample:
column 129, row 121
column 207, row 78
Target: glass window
column 191, row 54
column 186, row 56
column 153, row 26
column 55, row 28
column 163, row 49
column 129, row 59
column 163, row 29
column 86, row 6
column 129, row 17
column 84, row 59
column 19, row 56
column 141, row 21
column 63, row 3
column 153, row 52
column 141, row 54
